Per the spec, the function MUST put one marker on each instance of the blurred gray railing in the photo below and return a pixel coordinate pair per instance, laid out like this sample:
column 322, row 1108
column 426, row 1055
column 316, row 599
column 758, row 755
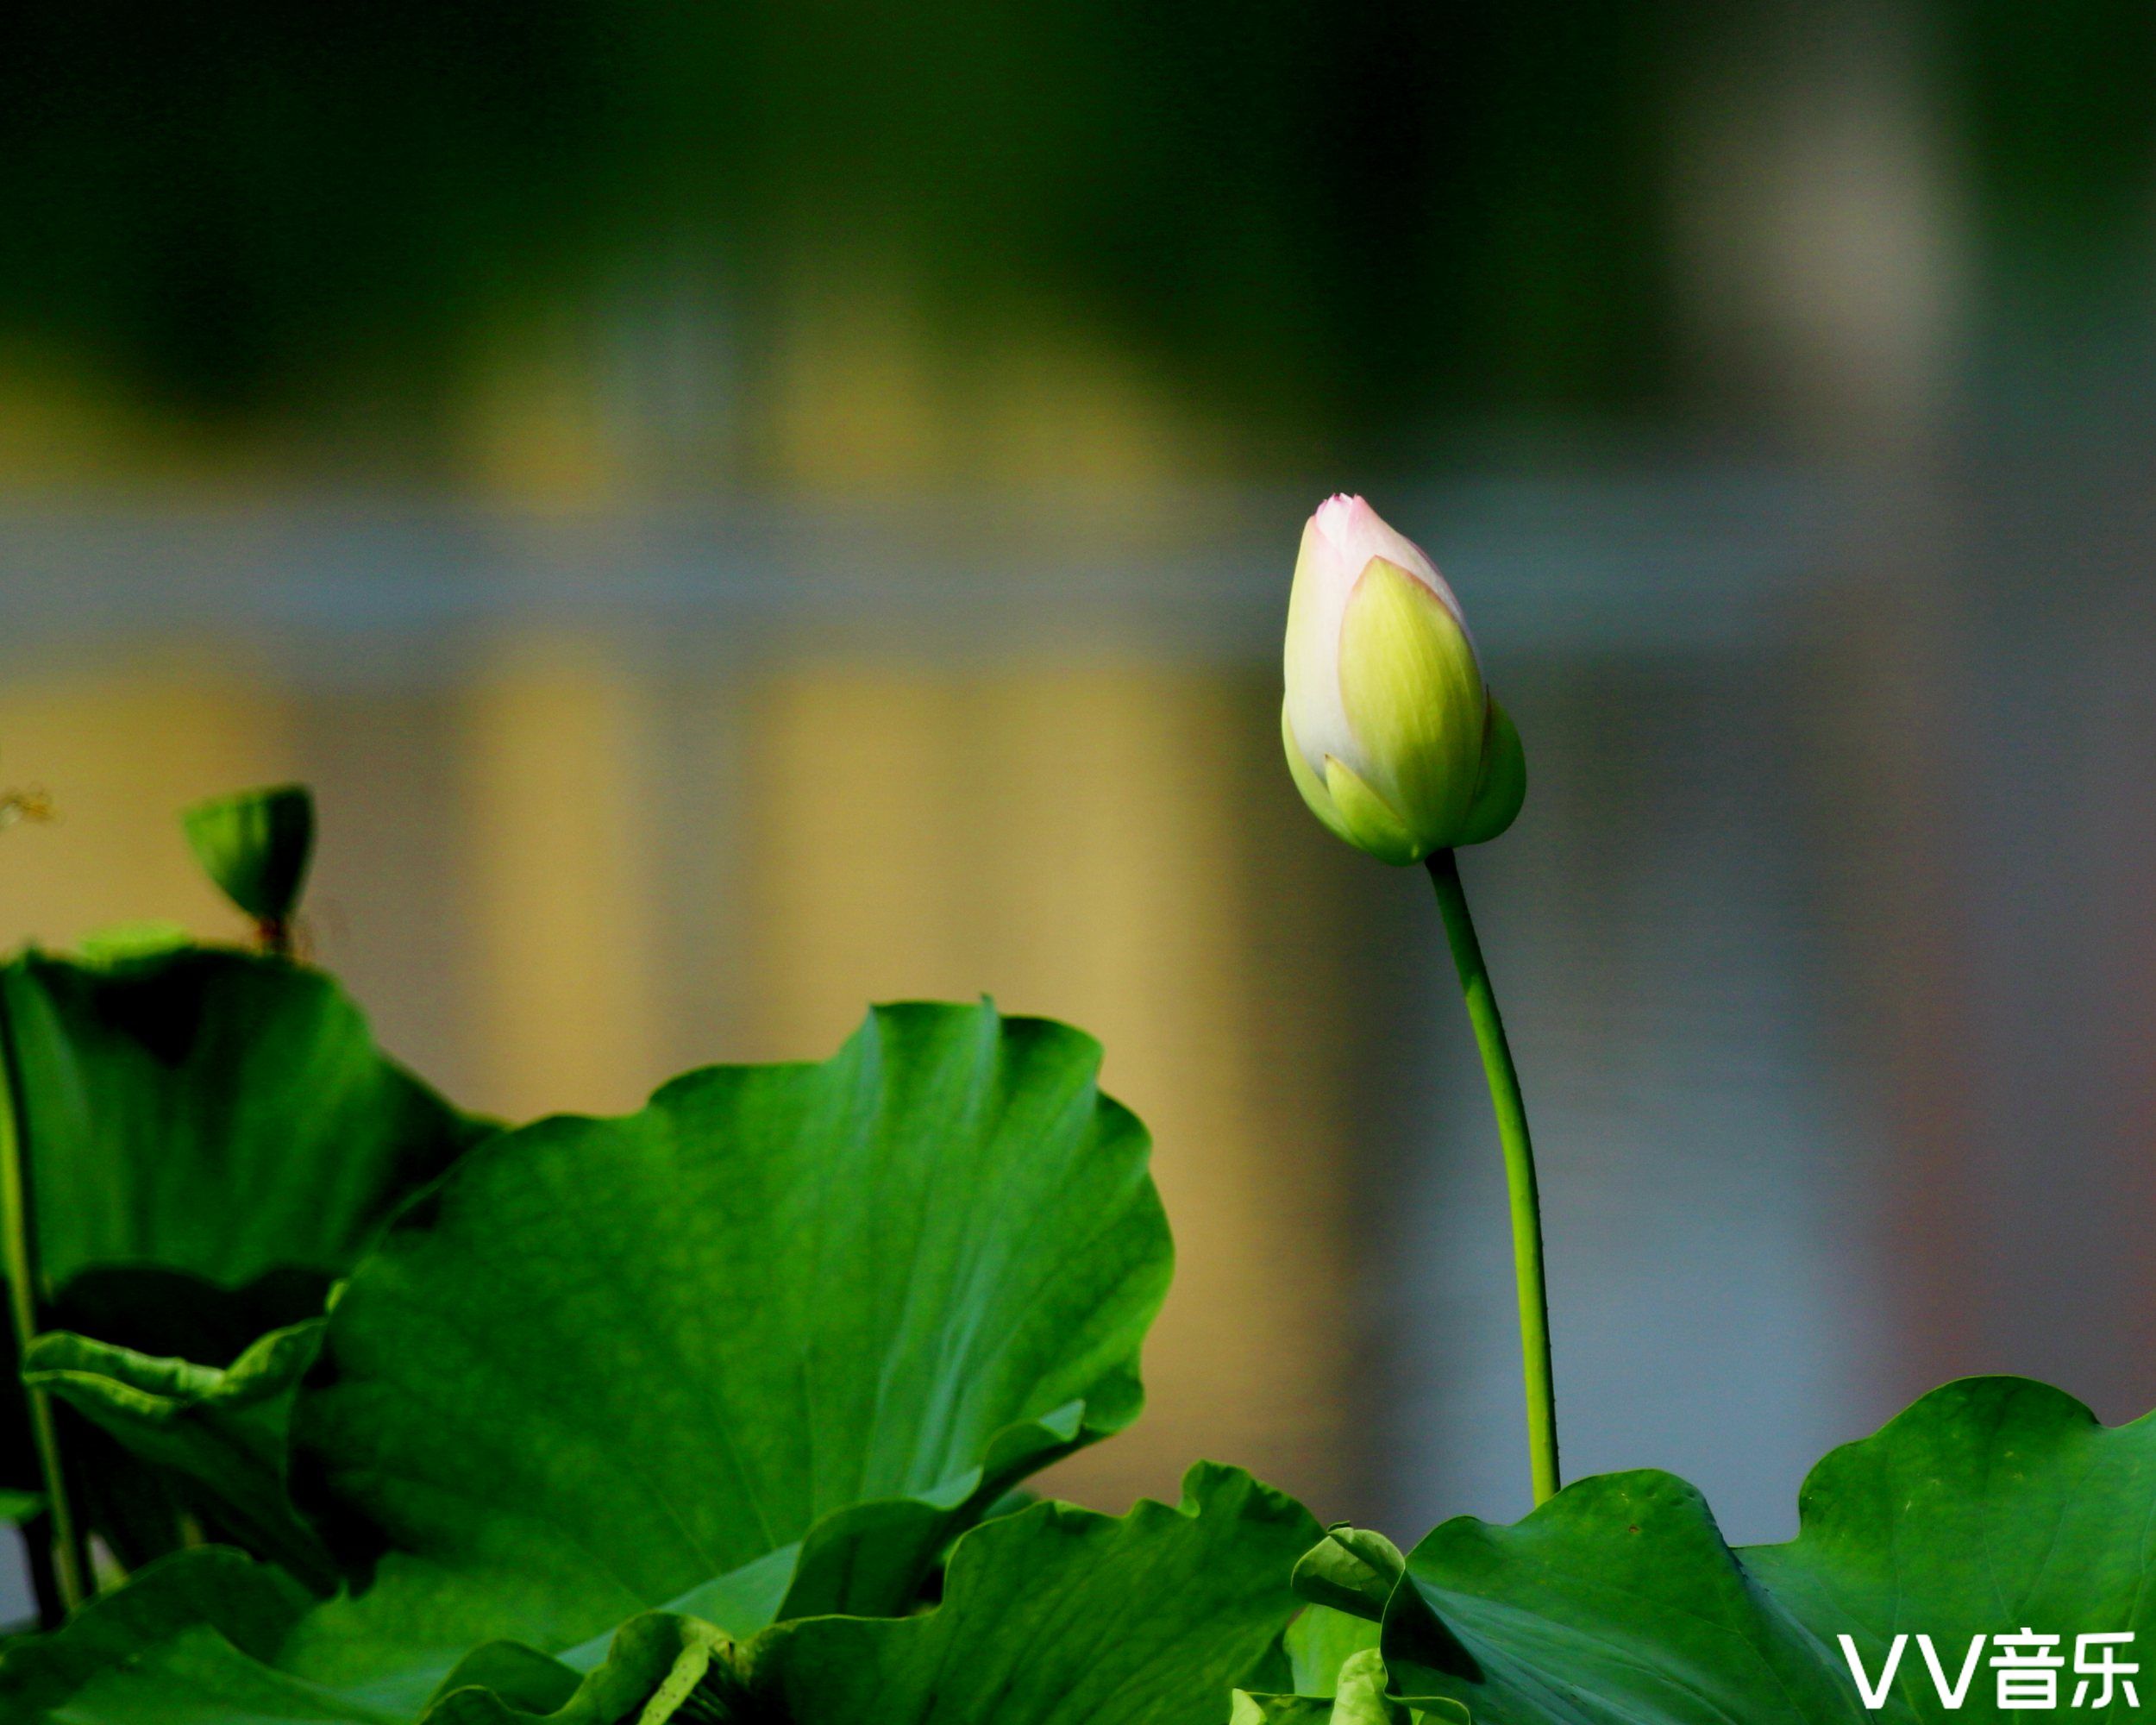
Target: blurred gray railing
column 1658, row 558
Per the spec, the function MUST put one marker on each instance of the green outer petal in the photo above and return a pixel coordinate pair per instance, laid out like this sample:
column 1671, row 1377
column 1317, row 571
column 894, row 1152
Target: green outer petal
column 1372, row 823
column 1504, row 783
column 1414, row 698
column 1312, row 786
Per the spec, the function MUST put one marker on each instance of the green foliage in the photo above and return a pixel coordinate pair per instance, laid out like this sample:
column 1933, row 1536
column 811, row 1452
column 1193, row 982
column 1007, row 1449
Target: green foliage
column 608, row 1361
column 1991, row 1505
column 1054, row 1617
column 760, row 1351
column 210, row 1138
column 714, row 1412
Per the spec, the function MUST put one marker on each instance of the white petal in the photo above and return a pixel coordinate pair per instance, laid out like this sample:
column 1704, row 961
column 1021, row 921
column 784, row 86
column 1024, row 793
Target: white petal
column 1312, row 661
column 1356, row 532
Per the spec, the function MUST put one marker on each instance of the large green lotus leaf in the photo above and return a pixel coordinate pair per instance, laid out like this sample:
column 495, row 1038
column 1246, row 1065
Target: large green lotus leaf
column 217, row 1434
column 607, row 1361
column 1992, row 1505
column 564, row 1357
column 211, row 1112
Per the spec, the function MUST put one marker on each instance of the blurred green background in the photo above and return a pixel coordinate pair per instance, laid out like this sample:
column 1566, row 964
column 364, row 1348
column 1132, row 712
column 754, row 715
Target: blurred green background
column 744, row 509
column 843, row 243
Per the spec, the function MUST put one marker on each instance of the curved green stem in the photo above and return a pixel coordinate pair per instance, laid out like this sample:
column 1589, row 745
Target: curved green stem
column 1520, row 1172
column 18, row 1239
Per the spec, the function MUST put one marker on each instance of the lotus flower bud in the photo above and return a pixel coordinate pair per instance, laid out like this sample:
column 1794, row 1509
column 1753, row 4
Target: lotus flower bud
column 1394, row 739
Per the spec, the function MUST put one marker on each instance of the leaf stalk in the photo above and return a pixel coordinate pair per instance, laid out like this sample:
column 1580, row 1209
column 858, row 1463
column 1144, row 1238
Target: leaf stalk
column 18, row 1241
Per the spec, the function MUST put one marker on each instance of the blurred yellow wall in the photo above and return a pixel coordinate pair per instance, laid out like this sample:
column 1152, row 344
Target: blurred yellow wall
column 120, row 748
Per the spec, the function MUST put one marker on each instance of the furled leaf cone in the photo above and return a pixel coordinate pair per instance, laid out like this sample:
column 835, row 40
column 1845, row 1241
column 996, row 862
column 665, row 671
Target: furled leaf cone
column 256, row 845
column 1393, row 738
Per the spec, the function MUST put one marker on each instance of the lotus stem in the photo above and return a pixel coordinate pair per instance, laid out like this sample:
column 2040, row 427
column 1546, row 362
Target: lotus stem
column 1520, row 1172
column 18, row 1237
